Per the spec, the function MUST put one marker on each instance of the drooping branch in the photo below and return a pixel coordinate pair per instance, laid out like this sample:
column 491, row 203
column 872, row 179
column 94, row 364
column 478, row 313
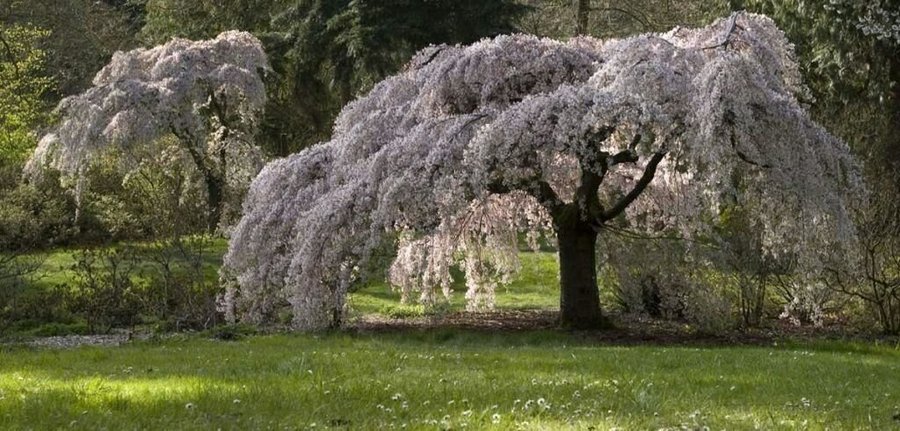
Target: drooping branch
column 399, row 160
column 183, row 88
column 730, row 25
column 639, row 187
column 744, row 157
column 541, row 190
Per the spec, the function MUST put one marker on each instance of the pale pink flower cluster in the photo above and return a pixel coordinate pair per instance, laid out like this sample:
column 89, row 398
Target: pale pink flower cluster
column 425, row 155
column 190, row 89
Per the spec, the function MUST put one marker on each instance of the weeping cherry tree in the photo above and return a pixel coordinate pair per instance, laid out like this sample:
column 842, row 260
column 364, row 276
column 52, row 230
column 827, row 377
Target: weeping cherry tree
column 208, row 94
column 469, row 147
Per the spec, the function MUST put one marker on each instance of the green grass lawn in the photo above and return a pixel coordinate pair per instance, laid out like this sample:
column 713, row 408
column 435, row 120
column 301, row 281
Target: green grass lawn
column 447, row 379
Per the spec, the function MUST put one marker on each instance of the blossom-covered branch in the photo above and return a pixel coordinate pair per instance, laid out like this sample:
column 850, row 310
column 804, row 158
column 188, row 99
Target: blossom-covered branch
column 472, row 145
column 209, row 94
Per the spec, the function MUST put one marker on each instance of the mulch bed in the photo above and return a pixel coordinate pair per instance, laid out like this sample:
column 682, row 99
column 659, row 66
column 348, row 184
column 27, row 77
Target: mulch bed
column 627, row 329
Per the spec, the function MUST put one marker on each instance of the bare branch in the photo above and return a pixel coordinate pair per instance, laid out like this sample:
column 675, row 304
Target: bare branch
column 9, row 54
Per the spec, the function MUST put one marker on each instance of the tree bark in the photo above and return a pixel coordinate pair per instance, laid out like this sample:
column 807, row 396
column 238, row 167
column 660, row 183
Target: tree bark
column 892, row 151
column 215, row 185
column 582, row 15
column 579, row 299
column 215, row 193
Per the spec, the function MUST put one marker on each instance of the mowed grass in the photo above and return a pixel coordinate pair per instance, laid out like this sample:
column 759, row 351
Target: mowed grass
column 446, row 379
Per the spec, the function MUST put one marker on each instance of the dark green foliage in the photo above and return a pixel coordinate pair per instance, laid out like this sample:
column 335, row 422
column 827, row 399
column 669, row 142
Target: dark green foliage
column 83, row 36
column 18, row 304
column 327, row 52
column 616, row 19
column 29, row 310
column 34, row 216
column 854, row 74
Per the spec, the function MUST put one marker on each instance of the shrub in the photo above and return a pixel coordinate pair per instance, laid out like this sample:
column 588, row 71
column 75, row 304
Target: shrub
column 179, row 292
column 104, row 293
column 874, row 276
column 35, row 216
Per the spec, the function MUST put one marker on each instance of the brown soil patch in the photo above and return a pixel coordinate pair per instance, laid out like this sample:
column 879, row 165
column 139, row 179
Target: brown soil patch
column 627, row 329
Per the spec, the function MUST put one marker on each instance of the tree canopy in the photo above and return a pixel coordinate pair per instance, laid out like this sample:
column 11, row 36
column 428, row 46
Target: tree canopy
column 850, row 52
column 209, row 94
column 470, row 144
column 22, row 106
column 324, row 52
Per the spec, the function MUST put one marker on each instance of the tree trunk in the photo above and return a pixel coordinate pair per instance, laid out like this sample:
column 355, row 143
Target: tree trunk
column 893, row 145
column 215, row 194
column 579, row 300
column 582, row 15
column 215, row 180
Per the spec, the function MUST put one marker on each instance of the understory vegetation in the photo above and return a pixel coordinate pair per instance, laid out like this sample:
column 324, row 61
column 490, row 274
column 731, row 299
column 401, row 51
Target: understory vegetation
column 174, row 286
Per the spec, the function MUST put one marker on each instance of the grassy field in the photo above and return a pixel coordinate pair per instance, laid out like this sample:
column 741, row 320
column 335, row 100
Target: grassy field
column 448, row 379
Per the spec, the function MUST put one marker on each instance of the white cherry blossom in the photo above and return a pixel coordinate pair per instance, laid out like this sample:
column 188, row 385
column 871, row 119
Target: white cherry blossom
column 470, row 146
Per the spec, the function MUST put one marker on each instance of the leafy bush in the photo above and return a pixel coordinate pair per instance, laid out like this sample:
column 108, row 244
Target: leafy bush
column 35, row 216
column 104, row 292
column 25, row 309
column 180, row 293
